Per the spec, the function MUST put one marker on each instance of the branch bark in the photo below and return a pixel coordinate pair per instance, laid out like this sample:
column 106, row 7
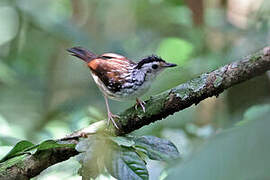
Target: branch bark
column 194, row 91
column 157, row 108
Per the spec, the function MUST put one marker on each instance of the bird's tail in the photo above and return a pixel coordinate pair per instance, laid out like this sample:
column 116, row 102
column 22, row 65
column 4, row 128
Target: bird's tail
column 82, row 53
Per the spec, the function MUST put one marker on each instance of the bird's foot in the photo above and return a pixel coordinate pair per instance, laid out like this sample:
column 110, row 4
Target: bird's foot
column 140, row 103
column 111, row 119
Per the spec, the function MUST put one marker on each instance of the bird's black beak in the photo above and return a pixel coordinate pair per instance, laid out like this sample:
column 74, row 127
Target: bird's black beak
column 169, row 65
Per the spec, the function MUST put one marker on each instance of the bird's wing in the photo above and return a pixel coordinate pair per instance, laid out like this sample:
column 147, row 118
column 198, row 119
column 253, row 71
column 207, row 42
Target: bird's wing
column 111, row 71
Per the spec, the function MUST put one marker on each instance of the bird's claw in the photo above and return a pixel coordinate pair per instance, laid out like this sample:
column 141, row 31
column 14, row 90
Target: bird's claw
column 111, row 119
column 141, row 103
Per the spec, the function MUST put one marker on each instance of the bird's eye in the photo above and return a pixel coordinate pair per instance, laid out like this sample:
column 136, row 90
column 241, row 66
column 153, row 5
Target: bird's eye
column 154, row 66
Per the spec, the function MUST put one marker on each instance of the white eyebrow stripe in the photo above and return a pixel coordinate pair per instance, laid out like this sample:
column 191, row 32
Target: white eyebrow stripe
column 113, row 55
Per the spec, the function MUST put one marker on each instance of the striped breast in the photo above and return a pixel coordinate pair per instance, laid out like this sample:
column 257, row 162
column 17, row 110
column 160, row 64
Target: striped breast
column 111, row 70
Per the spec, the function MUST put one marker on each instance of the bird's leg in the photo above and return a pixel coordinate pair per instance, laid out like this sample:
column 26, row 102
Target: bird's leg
column 111, row 116
column 141, row 103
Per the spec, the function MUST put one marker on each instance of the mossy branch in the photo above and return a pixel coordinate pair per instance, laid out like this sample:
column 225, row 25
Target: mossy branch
column 192, row 92
column 157, row 108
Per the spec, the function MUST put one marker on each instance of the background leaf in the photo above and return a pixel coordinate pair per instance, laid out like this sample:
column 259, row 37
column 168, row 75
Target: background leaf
column 252, row 113
column 156, row 148
column 123, row 163
column 175, row 50
column 241, row 152
column 19, row 148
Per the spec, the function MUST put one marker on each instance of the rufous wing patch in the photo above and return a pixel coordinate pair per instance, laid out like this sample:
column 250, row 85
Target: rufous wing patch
column 109, row 71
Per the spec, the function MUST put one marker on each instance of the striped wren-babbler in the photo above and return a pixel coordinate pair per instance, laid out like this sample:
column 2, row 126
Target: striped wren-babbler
column 120, row 78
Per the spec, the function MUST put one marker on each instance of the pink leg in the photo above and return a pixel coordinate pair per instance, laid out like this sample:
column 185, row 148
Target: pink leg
column 141, row 103
column 110, row 115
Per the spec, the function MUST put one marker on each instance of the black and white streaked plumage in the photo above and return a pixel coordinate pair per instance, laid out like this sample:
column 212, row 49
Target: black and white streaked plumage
column 120, row 78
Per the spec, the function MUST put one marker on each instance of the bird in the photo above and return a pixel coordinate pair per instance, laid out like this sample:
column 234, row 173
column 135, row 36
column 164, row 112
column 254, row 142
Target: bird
column 120, row 78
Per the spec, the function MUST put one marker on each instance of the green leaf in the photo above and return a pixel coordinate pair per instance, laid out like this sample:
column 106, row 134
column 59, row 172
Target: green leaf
column 156, row 148
column 240, row 152
column 49, row 144
column 175, row 50
column 24, row 146
column 122, row 141
column 18, row 149
column 93, row 149
column 89, row 168
column 124, row 163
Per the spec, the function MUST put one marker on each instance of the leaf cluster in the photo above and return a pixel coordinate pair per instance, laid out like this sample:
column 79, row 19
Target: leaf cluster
column 26, row 147
column 123, row 157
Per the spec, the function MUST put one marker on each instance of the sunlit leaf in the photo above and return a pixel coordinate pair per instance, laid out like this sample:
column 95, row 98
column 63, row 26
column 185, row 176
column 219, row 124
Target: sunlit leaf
column 93, row 149
column 124, row 163
column 89, row 167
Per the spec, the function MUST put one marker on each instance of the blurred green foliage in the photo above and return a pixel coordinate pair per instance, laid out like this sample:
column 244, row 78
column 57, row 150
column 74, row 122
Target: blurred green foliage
column 238, row 153
column 46, row 94
column 175, row 49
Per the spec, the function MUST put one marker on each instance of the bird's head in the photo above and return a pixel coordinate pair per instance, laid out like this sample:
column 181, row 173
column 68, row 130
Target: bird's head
column 153, row 65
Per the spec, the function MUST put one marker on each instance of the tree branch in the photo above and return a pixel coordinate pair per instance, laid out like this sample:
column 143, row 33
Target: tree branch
column 31, row 165
column 194, row 91
column 157, row 108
